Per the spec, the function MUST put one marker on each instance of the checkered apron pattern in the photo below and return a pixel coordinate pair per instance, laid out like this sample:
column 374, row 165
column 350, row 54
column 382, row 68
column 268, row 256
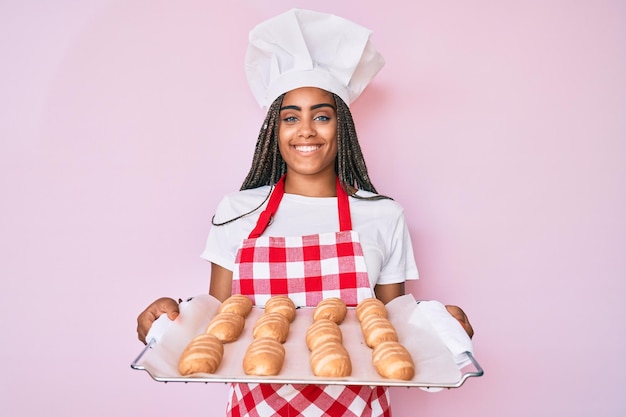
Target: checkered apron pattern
column 308, row 269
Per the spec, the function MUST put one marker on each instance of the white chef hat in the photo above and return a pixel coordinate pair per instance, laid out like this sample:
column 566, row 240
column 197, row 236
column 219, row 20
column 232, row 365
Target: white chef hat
column 303, row 48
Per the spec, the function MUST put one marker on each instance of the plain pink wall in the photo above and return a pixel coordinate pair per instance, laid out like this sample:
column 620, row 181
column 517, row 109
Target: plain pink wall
column 500, row 126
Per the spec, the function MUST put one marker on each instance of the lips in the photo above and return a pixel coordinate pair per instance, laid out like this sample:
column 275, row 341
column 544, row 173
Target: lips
column 306, row 148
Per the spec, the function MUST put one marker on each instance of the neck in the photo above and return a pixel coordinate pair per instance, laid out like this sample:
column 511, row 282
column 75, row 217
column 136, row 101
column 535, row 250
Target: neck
column 311, row 186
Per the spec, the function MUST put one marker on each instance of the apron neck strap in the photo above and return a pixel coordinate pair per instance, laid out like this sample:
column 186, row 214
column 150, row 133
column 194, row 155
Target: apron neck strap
column 272, row 205
column 343, row 205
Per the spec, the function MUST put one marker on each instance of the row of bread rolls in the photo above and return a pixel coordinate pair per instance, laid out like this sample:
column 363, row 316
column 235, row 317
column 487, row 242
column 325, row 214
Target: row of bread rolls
column 329, row 357
column 266, row 354
column 390, row 358
column 204, row 353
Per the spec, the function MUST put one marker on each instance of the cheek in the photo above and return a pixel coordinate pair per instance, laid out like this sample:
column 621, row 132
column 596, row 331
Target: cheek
column 331, row 133
column 281, row 149
column 282, row 137
column 335, row 146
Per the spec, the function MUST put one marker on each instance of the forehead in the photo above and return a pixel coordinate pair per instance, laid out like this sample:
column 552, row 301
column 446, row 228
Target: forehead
column 308, row 96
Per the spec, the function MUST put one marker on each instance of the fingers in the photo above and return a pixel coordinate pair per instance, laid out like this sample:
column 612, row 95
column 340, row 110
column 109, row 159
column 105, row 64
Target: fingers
column 165, row 306
column 462, row 318
column 152, row 312
column 141, row 330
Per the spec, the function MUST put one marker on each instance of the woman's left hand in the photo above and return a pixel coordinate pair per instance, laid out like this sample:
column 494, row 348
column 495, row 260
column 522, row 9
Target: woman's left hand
column 460, row 315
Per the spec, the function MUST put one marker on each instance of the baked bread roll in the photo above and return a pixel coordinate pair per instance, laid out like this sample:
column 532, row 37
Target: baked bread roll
column 377, row 329
column 226, row 326
column 332, row 309
column 202, row 355
column 264, row 357
column 330, row 359
column 370, row 306
column 392, row 360
column 283, row 305
column 322, row 331
column 236, row 303
column 273, row 325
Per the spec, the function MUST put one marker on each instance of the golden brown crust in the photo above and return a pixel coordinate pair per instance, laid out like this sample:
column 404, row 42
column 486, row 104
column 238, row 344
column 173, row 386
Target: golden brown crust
column 322, row 331
column 393, row 360
column 283, row 305
column 264, row 357
column 370, row 306
column 334, row 309
column 330, row 359
column 226, row 326
column 236, row 303
column 274, row 325
column 202, row 355
column 377, row 329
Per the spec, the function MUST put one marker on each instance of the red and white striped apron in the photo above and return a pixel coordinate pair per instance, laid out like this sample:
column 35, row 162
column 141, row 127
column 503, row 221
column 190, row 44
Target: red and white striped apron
column 307, row 269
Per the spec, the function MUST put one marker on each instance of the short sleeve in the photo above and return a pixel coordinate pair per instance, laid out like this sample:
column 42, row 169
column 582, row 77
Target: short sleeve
column 218, row 248
column 399, row 263
column 224, row 240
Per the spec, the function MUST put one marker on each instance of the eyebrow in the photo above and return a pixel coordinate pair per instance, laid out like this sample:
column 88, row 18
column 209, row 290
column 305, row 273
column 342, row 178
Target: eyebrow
column 314, row 107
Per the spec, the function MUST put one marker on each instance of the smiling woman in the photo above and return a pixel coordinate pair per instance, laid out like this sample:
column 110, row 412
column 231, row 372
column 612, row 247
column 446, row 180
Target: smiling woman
column 308, row 198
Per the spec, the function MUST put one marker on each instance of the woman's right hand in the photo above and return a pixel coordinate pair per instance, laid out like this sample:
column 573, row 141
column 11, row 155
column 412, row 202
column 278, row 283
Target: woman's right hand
column 163, row 305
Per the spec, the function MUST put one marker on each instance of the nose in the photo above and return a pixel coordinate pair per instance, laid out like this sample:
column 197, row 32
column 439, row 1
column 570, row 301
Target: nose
column 306, row 129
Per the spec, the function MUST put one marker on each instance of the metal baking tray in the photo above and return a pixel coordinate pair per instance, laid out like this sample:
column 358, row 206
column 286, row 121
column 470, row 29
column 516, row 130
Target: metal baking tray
column 436, row 366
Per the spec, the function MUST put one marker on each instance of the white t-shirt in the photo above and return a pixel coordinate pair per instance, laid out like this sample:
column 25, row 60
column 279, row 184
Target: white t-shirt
column 381, row 226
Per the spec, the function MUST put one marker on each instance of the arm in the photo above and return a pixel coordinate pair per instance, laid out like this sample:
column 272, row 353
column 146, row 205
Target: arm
column 388, row 292
column 221, row 282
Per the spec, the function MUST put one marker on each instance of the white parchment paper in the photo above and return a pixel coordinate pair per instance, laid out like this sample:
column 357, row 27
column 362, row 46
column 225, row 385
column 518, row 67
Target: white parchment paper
column 435, row 364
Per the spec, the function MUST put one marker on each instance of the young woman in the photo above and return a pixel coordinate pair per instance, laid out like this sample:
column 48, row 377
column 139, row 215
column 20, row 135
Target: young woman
column 308, row 198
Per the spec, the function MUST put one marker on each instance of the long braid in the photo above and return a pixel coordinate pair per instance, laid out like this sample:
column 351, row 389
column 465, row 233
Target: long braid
column 268, row 165
column 350, row 164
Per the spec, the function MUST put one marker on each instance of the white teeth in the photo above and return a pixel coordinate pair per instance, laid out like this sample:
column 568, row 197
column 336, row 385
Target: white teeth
column 308, row 148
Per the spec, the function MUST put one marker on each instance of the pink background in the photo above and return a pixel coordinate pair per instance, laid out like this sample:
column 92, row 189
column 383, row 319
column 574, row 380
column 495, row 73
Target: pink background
column 500, row 126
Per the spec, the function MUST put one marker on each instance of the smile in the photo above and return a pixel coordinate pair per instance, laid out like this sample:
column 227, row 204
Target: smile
column 307, row 148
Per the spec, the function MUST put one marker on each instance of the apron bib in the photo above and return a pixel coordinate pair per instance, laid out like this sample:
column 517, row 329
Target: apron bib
column 308, row 269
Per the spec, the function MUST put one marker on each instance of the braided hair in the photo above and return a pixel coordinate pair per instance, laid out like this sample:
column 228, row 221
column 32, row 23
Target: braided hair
column 268, row 165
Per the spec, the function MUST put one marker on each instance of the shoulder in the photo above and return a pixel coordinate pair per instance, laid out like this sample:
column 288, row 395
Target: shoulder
column 245, row 195
column 240, row 202
column 384, row 211
column 368, row 199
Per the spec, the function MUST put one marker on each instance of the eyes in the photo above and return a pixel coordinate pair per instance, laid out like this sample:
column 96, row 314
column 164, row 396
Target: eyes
column 292, row 119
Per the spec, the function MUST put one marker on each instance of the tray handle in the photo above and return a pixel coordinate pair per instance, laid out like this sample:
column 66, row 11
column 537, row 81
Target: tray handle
column 478, row 372
column 135, row 363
